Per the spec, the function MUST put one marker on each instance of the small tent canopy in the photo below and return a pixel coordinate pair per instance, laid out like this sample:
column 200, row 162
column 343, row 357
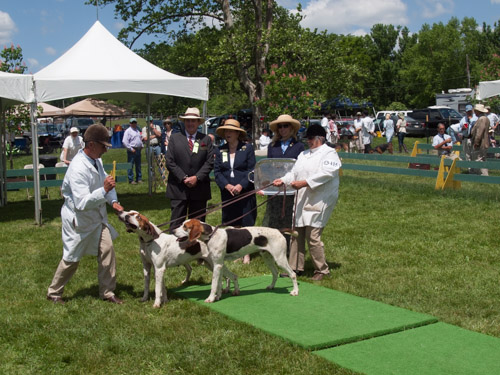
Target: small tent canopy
column 15, row 88
column 49, row 110
column 94, row 107
column 99, row 64
column 343, row 103
column 487, row 89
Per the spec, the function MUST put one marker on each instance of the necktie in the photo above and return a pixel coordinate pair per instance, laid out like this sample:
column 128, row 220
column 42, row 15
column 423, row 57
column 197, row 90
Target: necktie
column 190, row 141
column 95, row 165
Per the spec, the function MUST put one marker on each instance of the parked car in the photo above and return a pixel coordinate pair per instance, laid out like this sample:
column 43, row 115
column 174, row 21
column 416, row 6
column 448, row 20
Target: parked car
column 430, row 117
column 49, row 137
column 82, row 123
column 413, row 127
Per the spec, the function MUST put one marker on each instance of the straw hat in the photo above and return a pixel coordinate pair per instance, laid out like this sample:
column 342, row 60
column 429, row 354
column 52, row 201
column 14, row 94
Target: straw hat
column 192, row 113
column 285, row 119
column 231, row 124
column 480, row 108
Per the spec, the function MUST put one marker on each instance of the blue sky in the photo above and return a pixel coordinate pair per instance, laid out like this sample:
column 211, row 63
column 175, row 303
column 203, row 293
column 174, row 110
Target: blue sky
column 45, row 29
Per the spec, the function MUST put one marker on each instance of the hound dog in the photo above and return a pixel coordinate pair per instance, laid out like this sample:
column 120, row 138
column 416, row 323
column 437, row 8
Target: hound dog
column 231, row 243
column 160, row 250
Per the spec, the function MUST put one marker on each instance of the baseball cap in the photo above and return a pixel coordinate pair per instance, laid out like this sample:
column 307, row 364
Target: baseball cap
column 133, row 119
column 74, row 129
column 468, row 108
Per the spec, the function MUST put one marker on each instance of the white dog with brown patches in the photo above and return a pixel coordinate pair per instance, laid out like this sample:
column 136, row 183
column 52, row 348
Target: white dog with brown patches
column 231, row 243
column 161, row 251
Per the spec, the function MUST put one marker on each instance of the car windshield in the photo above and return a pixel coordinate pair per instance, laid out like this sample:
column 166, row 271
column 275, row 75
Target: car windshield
column 47, row 128
column 85, row 121
column 449, row 113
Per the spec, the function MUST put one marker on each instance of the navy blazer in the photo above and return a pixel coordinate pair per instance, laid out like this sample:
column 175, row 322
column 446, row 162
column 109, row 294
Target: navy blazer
column 293, row 150
column 181, row 162
column 244, row 162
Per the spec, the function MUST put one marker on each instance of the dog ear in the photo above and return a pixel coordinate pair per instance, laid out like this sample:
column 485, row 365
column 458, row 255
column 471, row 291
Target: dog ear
column 196, row 230
column 147, row 227
column 152, row 231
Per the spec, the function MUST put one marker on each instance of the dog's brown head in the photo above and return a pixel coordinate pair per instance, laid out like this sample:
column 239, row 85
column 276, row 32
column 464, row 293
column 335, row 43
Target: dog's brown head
column 192, row 230
column 140, row 224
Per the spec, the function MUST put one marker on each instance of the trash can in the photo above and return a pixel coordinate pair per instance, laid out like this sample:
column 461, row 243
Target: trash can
column 48, row 161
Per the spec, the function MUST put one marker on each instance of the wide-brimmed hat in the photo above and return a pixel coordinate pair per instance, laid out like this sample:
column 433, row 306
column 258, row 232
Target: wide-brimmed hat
column 231, row 124
column 97, row 133
column 74, row 129
column 192, row 113
column 285, row 119
column 480, row 108
column 401, row 115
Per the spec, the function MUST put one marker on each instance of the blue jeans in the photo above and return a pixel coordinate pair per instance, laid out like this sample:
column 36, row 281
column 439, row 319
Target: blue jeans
column 134, row 158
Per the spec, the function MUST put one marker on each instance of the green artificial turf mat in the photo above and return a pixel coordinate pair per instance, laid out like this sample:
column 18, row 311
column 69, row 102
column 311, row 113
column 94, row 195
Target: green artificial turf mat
column 317, row 318
column 434, row 349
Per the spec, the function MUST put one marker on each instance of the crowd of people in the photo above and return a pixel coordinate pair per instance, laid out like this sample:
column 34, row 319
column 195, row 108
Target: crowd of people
column 190, row 158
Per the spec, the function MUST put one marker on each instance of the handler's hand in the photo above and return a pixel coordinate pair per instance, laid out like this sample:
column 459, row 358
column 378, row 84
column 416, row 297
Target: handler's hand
column 117, row 207
column 109, row 184
column 299, row 184
column 277, row 182
column 237, row 189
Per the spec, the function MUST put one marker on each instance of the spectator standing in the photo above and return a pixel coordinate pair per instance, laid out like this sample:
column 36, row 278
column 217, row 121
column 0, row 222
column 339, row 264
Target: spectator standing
column 72, row 144
column 233, row 162
column 358, row 139
column 367, row 132
column 85, row 229
column 132, row 141
column 283, row 145
column 480, row 138
column 493, row 118
column 442, row 142
column 154, row 136
column 401, row 129
column 315, row 176
column 264, row 139
column 190, row 159
column 325, row 125
column 388, row 128
column 466, row 124
column 165, row 134
column 333, row 130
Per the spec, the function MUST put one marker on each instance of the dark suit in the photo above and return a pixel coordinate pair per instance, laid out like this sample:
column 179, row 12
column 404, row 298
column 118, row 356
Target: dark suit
column 293, row 150
column 182, row 163
column 244, row 162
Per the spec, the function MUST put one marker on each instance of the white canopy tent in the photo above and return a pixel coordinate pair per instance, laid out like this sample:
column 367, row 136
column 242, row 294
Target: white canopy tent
column 99, row 65
column 14, row 89
column 487, row 89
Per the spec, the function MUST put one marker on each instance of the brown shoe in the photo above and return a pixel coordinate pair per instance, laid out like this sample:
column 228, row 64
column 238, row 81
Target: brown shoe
column 56, row 299
column 114, row 299
column 318, row 276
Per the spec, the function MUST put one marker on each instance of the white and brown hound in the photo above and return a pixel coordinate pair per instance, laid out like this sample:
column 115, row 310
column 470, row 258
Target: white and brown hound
column 231, row 243
column 160, row 250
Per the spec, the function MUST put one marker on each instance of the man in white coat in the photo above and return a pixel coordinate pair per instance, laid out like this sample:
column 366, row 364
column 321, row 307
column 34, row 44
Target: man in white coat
column 85, row 229
column 367, row 131
column 315, row 176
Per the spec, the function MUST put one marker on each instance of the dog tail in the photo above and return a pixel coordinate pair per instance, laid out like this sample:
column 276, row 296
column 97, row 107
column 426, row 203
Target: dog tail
column 290, row 232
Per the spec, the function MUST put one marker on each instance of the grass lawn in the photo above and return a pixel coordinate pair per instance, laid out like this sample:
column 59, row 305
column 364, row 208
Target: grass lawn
column 392, row 239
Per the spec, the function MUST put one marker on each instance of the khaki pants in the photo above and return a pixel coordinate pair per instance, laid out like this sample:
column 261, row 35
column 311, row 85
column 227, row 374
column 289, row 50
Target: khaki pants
column 106, row 270
column 316, row 249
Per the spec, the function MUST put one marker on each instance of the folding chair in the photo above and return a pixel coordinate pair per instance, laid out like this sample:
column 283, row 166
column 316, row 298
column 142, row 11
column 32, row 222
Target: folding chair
column 40, row 166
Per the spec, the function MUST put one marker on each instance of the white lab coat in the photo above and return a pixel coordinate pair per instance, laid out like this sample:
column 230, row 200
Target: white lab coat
column 84, row 209
column 367, row 127
column 315, row 203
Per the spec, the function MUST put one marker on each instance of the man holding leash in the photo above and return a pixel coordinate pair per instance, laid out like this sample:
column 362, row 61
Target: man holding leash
column 85, row 229
column 189, row 160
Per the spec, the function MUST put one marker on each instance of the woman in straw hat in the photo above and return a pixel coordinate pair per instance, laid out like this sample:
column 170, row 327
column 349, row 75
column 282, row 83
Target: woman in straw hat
column 233, row 161
column 284, row 145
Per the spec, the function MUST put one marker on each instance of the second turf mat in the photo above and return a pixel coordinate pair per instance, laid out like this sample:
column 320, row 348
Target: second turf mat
column 437, row 349
column 317, row 318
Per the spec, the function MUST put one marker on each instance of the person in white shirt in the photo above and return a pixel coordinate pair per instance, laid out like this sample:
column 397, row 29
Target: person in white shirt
column 264, row 139
column 466, row 124
column 154, row 136
column 367, row 131
column 493, row 118
column 388, row 128
column 442, row 142
column 72, row 144
column 326, row 126
column 358, row 141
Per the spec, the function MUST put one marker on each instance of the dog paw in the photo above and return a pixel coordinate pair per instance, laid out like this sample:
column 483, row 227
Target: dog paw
column 294, row 293
column 157, row 305
column 209, row 300
column 226, row 290
column 144, row 299
column 236, row 293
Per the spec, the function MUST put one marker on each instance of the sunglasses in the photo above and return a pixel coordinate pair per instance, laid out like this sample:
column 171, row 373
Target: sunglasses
column 283, row 126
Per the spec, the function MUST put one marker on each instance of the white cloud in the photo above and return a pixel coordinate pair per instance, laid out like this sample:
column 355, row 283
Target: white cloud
column 436, row 8
column 50, row 51
column 353, row 17
column 33, row 63
column 495, row 1
column 118, row 25
column 7, row 27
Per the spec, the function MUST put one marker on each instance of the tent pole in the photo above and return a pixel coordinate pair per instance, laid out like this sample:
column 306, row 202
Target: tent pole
column 36, row 172
column 3, row 157
column 205, row 116
column 148, row 149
